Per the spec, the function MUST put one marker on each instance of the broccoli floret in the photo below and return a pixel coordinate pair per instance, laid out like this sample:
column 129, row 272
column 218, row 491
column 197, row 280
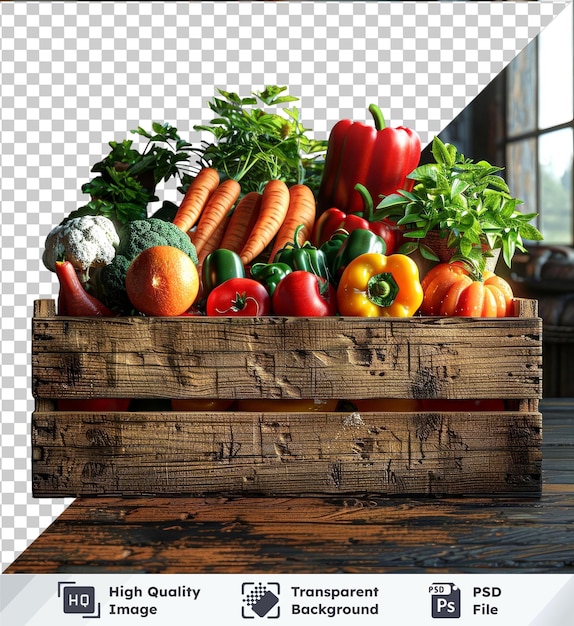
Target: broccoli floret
column 109, row 285
column 141, row 234
column 135, row 237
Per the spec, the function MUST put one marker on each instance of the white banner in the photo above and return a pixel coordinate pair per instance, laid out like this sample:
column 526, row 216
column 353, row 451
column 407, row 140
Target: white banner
column 288, row 599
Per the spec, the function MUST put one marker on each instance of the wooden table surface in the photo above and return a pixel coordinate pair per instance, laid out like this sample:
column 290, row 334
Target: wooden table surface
column 324, row 535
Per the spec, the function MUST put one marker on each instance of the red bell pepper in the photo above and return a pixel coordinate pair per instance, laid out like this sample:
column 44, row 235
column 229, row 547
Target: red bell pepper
column 380, row 158
column 303, row 294
column 335, row 219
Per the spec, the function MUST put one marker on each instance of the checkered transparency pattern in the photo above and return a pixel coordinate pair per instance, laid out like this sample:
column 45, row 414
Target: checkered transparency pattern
column 74, row 76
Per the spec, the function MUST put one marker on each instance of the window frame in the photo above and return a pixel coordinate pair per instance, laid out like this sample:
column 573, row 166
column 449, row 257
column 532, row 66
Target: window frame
column 535, row 134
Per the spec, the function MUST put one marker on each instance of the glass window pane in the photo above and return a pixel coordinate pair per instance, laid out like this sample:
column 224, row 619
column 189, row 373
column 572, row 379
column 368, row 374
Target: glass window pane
column 556, row 151
column 556, row 71
column 521, row 173
column 521, row 105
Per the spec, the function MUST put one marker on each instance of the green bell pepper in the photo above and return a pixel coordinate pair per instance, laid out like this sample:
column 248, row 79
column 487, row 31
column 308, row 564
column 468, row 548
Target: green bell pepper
column 270, row 274
column 304, row 257
column 331, row 247
column 219, row 266
column 359, row 241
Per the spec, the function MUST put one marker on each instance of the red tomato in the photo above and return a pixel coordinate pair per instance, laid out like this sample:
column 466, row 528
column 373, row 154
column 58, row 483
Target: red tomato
column 303, row 294
column 239, row 297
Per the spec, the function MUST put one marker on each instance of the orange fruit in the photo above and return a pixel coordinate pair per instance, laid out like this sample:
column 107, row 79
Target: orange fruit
column 162, row 280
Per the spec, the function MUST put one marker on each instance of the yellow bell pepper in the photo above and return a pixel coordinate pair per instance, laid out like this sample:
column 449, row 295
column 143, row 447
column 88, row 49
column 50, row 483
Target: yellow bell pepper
column 375, row 285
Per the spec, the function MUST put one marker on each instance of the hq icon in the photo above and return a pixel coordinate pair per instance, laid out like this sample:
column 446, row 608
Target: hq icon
column 445, row 600
column 78, row 599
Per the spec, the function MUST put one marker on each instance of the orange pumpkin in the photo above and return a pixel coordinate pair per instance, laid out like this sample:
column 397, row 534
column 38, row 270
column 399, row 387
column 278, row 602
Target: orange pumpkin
column 450, row 289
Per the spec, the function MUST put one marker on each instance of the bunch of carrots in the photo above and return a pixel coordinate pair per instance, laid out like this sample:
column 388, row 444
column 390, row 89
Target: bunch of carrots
column 214, row 215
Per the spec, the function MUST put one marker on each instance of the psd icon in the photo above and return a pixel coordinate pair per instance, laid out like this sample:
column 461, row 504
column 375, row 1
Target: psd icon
column 78, row 599
column 445, row 600
column 260, row 600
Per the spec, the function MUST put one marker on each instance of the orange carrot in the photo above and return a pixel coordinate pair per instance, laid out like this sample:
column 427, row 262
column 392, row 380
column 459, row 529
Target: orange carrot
column 217, row 207
column 302, row 210
column 193, row 202
column 214, row 242
column 274, row 206
column 241, row 223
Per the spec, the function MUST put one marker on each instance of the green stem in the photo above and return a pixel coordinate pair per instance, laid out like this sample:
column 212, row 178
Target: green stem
column 474, row 271
column 367, row 201
column 377, row 116
column 382, row 289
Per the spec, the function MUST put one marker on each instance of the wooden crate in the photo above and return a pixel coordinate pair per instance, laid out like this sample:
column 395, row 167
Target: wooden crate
column 252, row 453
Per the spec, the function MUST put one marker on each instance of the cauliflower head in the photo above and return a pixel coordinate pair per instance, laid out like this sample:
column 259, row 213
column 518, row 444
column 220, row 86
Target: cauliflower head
column 87, row 242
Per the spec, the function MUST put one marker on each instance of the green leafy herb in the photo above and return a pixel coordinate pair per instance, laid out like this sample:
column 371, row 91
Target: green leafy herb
column 128, row 178
column 253, row 146
column 468, row 203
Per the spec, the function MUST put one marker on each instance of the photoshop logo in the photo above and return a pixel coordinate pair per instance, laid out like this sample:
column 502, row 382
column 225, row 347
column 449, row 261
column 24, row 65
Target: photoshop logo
column 79, row 599
column 261, row 600
column 445, row 600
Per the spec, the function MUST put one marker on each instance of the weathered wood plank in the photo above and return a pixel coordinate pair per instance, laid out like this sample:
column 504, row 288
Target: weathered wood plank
column 44, row 308
column 278, row 358
column 275, row 454
column 274, row 357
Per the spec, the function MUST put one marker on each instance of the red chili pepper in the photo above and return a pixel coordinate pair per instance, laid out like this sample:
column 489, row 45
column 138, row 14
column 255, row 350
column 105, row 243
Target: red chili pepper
column 378, row 157
column 335, row 219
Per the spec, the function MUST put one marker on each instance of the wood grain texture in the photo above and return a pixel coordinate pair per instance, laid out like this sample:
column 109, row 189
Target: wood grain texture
column 274, row 357
column 279, row 454
column 161, row 452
